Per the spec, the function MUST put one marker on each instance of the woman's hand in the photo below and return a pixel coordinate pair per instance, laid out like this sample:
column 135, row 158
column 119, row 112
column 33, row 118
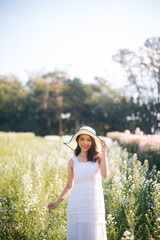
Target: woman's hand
column 103, row 145
column 52, row 205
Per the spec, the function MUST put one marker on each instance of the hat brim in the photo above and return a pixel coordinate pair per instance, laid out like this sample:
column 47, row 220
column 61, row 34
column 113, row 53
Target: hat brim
column 72, row 143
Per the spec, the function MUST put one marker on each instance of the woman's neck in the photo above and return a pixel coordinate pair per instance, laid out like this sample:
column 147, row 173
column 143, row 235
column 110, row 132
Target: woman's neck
column 83, row 154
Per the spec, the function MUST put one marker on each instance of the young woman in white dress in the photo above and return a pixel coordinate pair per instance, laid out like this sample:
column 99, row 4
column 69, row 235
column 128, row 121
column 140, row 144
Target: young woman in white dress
column 86, row 209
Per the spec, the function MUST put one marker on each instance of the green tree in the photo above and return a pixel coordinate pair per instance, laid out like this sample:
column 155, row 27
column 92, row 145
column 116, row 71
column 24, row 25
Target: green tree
column 12, row 103
column 56, row 81
column 45, row 102
column 76, row 95
column 109, row 109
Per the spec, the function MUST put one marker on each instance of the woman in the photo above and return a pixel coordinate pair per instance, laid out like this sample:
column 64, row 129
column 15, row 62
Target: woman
column 86, row 210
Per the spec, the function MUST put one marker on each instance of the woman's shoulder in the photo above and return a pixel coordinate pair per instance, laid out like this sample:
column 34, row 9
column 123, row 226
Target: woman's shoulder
column 70, row 163
column 72, row 160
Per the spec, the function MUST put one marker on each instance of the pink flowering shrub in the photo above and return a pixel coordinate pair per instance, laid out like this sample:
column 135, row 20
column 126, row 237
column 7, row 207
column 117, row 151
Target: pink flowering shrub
column 143, row 141
column 146, row 146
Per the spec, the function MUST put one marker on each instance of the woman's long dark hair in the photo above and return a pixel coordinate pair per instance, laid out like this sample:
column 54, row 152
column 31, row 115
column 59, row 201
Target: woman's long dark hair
column 92, row 152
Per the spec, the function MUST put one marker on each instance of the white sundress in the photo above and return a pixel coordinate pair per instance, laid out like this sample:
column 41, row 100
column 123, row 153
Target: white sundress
column 86, row 209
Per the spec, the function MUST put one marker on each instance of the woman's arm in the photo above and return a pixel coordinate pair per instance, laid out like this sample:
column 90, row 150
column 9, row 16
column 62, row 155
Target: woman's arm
column 68, row 187
column 103, row 160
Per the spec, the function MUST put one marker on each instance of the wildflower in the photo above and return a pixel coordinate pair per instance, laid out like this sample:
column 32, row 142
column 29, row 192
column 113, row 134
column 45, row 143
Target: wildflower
column 127, row 235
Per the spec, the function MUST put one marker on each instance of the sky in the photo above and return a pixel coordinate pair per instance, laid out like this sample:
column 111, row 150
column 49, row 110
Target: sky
column 76, row 36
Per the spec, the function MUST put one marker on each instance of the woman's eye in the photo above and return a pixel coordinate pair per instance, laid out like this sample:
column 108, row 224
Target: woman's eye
column 82, row 139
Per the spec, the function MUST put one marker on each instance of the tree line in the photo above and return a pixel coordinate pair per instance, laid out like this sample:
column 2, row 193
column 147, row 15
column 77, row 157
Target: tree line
column 55, row 104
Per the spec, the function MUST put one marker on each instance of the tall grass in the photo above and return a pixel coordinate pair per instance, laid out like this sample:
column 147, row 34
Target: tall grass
column 34, row 172
column 132, row 197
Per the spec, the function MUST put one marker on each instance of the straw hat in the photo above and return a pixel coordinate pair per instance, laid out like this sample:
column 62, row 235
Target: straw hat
column 72, row 143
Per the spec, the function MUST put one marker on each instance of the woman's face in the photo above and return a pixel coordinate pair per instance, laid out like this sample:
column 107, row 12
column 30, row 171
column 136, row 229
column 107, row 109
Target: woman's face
column 85, row 142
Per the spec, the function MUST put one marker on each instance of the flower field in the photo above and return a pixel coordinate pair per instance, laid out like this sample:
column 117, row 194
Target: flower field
column 34, row 172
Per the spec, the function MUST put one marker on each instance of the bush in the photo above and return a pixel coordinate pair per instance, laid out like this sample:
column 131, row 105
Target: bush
column 153, row 156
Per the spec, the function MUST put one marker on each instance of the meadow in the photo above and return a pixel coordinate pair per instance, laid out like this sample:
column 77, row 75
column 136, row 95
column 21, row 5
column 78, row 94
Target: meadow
column 34, row 172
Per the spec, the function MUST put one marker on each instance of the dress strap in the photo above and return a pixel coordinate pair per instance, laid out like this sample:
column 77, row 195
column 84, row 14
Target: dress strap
column 74, row 158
